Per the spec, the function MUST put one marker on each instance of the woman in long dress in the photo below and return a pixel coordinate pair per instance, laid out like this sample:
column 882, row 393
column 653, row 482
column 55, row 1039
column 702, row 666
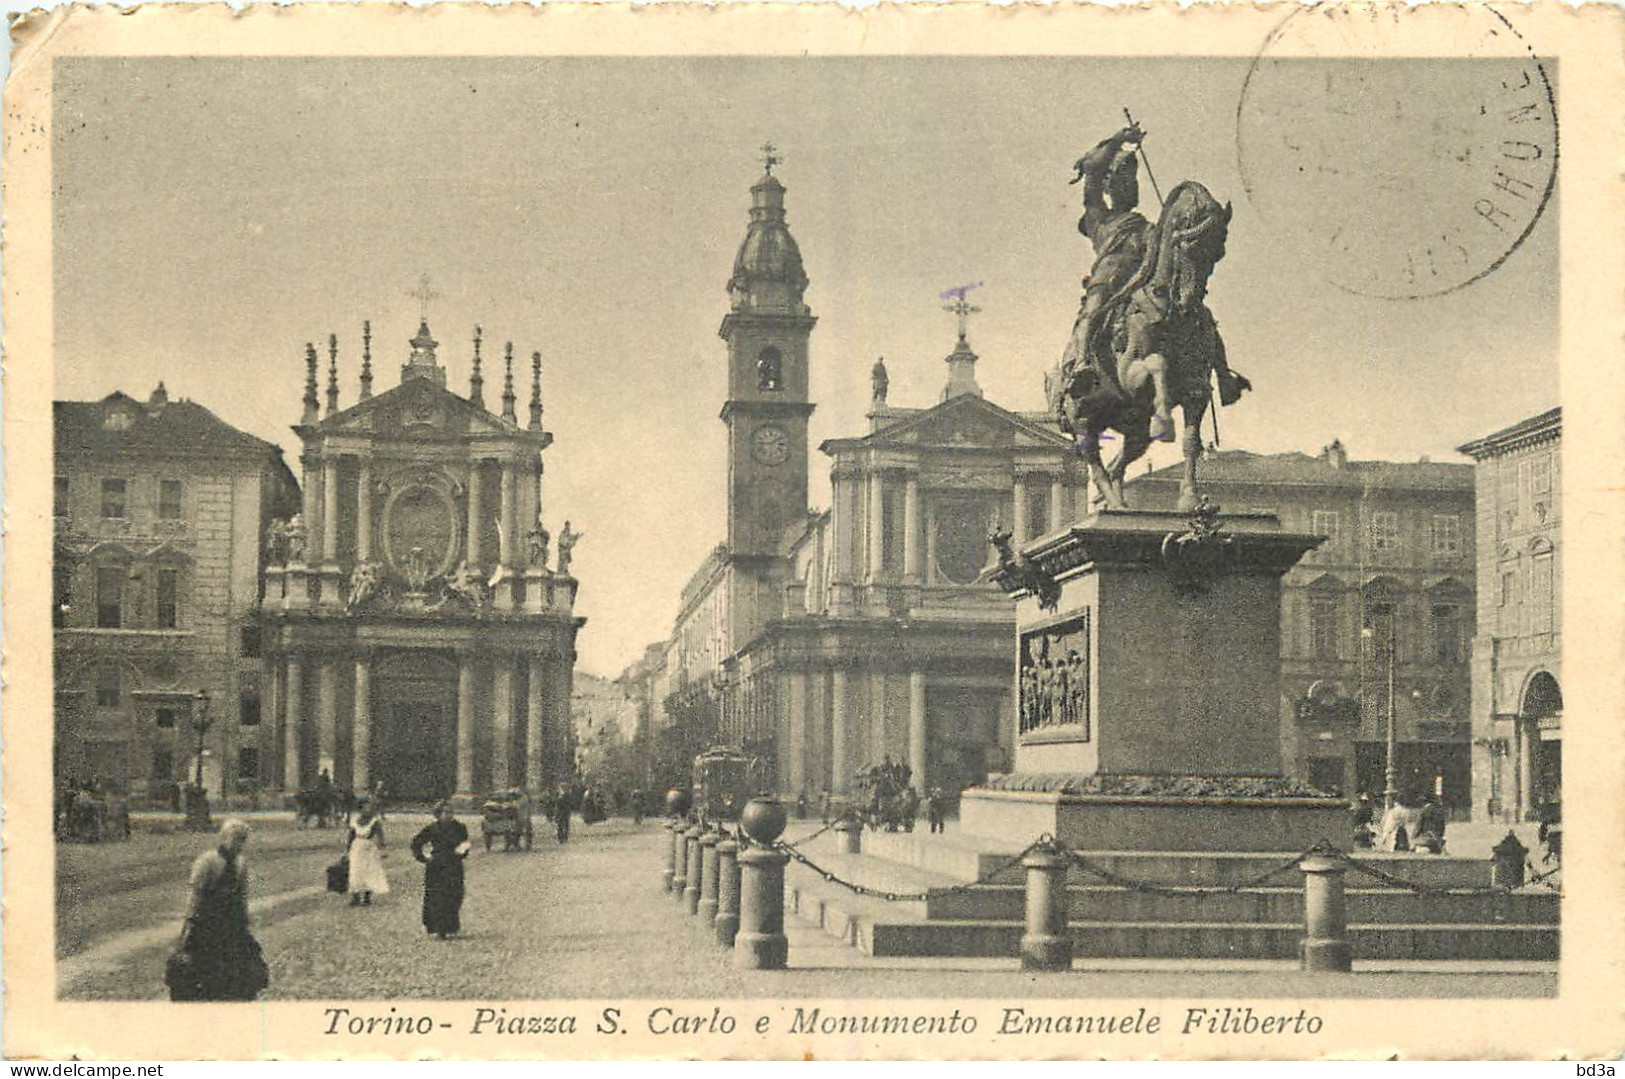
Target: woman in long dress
column 447, row 845
column 367, row 874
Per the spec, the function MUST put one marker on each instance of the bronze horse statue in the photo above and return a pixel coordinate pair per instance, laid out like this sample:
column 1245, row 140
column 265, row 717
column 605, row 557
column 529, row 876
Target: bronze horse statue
column 1154, row 347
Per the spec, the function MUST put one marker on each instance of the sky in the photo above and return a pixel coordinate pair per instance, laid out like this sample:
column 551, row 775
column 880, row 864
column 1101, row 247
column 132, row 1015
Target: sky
column 212, row 216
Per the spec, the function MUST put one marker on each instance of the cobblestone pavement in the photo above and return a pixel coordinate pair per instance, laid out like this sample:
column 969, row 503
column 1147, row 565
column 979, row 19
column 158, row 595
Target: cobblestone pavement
column 587, row 919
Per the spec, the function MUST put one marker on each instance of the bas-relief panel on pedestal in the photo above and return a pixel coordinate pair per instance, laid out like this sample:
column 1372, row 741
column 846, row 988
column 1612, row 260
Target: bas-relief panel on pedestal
column 1054, row 681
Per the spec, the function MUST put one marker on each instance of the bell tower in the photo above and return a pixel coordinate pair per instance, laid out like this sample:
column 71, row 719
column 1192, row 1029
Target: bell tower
column 766, row 329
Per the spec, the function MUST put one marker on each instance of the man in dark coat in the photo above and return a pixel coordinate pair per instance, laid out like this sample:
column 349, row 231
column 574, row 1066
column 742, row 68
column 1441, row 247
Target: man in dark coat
column 447, row 843
column 218, row 958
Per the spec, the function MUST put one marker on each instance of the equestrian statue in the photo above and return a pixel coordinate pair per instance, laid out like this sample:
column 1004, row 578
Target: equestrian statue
column 1144, row 341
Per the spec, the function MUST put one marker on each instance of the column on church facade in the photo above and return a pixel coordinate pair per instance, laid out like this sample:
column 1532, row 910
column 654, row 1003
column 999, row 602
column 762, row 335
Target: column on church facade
column 535, row 717
column 1058, row 516
column 1528, row 735
column 330, row 509
column 271, row 679
column 291, row 723
column 361, row 730
column 308, row 506
column 472, row 551
column 840, row 777
column 847, row 531
column 363, row 512
column 797, row 705
column 911, row 528
column 327, row 716
column 916, row 730
column 877, row 524
column 505, row 529
column 465, row 722
column 930, row 545
column 560, row 761
column 1019, row 498
column 877, row 716
column 501, row 718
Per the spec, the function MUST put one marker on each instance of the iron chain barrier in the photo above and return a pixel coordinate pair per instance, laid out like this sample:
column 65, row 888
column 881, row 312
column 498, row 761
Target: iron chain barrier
column 1145, row 887
column 908, row 897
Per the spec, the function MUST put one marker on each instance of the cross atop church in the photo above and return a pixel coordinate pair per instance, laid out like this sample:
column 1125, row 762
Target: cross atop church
column 961, row 308
column 770, row 156
column 423, row 293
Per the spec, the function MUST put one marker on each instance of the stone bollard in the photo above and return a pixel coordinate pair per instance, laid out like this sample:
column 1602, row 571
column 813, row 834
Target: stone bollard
column 849, row 835
column 691, row 883
column 760, row 943
column 1325, row 913
column 679, row 858
column 670, row 871
column 727, row 920
column 1507, row 859
column 1045, row 942
column 708, row 878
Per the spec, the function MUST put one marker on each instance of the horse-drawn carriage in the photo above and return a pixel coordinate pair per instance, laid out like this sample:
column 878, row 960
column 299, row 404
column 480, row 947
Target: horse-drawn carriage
column 890, row 803
column 322, row 805
column 85, row 817
column 507, row 814
column 724, row 780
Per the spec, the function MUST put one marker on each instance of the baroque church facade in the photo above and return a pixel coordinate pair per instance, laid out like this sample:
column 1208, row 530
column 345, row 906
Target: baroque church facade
column 417, row 639
column 824, row 642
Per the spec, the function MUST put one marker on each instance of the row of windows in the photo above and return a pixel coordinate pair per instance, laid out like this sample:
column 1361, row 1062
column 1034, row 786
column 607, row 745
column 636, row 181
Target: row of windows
column 120, row 594
column 115, row 498
column 110, row 694
column 1444, row 531
column 1448, row 640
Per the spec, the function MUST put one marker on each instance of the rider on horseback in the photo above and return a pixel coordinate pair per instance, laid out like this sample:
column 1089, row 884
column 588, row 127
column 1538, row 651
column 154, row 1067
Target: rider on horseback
column 1126, row 250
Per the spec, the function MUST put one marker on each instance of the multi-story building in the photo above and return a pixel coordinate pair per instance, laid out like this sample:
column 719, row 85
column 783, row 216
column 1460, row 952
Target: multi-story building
column 1375, row 622
column 416, row 636
column 824, row 642
column 1518, row 649
column 161, row 509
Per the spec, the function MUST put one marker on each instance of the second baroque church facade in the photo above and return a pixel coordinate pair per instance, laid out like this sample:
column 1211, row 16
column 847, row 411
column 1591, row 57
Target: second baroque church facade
column 417, row 639
column 825, row 642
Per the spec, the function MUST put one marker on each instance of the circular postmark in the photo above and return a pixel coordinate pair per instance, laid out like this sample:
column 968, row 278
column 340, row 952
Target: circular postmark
column 1404, row 152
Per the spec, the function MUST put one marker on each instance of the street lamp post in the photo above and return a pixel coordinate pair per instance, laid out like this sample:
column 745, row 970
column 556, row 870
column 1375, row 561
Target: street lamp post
column 1390, row 768
column 197, row 806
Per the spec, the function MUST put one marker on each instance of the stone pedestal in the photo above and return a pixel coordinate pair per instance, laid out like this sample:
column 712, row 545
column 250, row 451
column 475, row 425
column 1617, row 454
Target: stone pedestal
column 1148, row 692
column 536, row 590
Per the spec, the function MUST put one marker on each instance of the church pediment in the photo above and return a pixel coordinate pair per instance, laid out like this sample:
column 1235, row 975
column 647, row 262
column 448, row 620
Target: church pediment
column 967, row 422
column 419, row 409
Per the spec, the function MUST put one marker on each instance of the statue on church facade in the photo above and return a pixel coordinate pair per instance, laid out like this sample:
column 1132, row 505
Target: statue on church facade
column 536, row 544
column 567, row 543
column 293, row 534
column 363, row 584
column 465, row 583
column 879, row 381
column 1144, row 340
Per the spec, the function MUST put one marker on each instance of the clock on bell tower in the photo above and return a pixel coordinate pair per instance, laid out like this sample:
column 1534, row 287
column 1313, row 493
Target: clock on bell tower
column 766, row 328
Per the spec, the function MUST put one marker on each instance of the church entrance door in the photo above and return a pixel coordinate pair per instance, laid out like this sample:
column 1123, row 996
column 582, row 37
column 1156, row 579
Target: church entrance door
column 415, row 750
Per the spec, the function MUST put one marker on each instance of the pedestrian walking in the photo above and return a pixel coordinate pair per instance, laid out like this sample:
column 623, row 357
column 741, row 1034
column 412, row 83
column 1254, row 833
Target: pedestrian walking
column 217, row 957
column 935, row 810
column 446, row 842
column 367, row 875
column 561, row 814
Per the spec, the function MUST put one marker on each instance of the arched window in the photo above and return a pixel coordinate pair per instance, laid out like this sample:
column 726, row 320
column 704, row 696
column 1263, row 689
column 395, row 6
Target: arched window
column 769, row 369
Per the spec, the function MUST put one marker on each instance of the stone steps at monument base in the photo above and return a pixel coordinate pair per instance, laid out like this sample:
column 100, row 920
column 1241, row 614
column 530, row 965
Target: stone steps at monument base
column 1108, row 903
column 969, row 858
column 1211, row 940
column 883, row 929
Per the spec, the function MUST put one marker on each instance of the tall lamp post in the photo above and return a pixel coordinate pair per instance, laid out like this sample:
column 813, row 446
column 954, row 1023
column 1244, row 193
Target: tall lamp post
column 197, row 806
column 1390, row 767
